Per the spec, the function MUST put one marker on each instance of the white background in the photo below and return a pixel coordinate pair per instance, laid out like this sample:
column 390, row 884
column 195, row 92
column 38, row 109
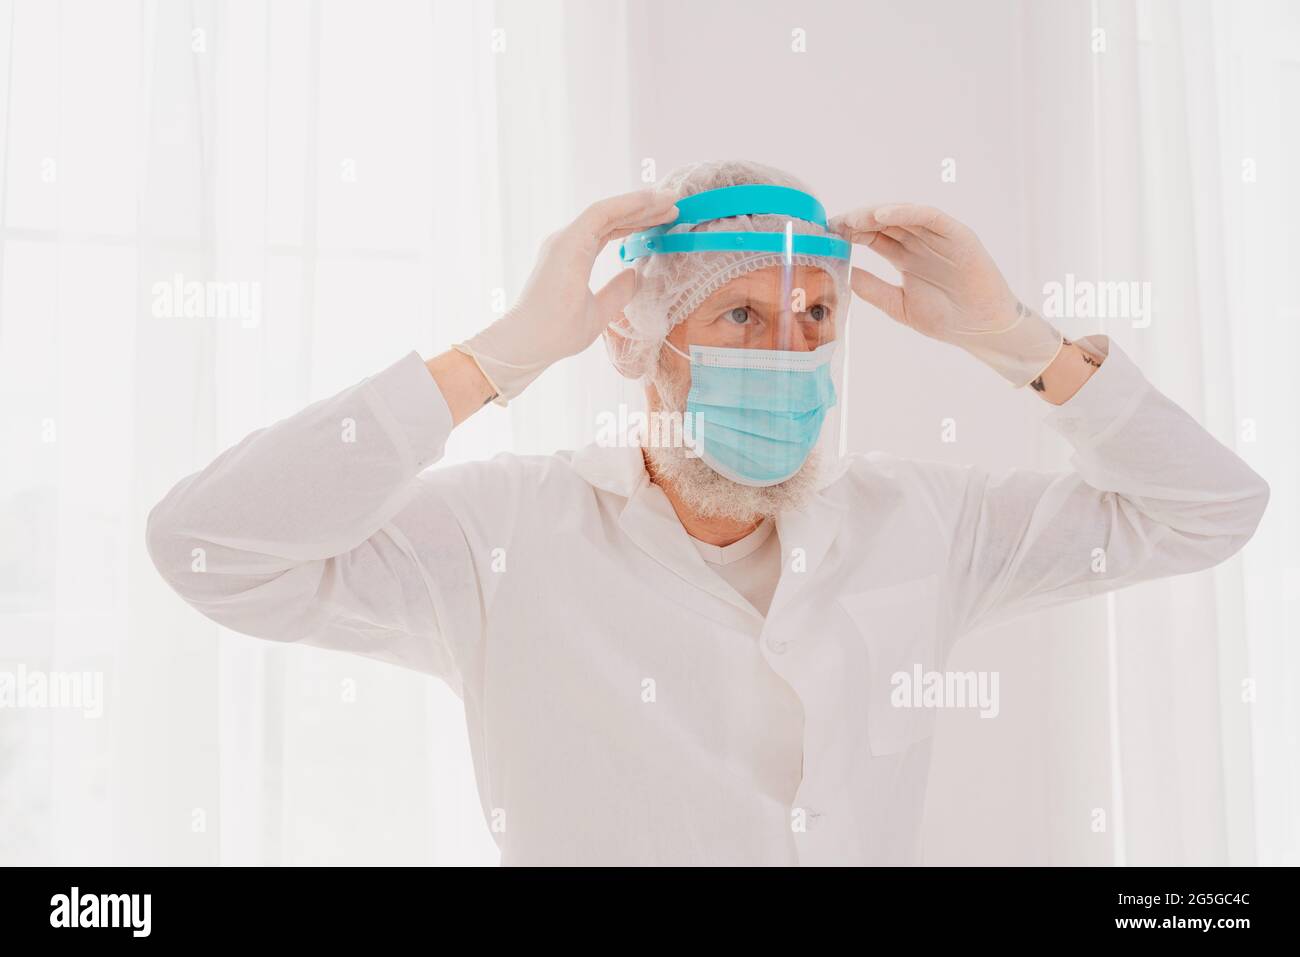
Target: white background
column 382, row 168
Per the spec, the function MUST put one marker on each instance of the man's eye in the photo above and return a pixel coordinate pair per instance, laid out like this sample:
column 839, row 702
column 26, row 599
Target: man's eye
column 819, row 312
column 739, row 315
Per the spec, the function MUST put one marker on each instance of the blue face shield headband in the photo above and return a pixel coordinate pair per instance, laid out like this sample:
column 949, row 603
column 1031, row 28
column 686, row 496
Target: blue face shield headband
column 754, row 415
column 754, row 200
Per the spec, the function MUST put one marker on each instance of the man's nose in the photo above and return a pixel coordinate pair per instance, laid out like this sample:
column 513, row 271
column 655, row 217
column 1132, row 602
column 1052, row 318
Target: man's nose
column 789, row 336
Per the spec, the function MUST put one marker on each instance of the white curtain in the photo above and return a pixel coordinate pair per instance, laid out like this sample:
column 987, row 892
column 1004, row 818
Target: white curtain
column 382, row 173
column 1158, row 151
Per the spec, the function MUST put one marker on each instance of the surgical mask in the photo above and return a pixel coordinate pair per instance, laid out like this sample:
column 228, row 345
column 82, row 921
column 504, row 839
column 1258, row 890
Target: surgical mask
column 754, row 415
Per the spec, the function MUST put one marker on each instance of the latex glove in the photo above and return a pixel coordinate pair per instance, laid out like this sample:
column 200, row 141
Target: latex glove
column 557, row 315
column 951, row 291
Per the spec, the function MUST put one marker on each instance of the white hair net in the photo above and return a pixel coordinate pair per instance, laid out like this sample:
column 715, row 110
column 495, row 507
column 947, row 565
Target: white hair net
column 673, row 285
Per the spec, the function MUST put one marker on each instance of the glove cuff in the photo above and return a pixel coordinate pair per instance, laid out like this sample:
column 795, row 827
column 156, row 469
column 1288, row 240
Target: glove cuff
column 494, row 351
column 465, row 349
column 1021, row 352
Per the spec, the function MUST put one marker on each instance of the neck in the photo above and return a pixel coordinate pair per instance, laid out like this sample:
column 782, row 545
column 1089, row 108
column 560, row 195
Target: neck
column 711, row 530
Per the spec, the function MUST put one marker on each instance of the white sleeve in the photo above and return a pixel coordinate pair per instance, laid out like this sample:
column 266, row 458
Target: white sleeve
column 318, row 529
column 1151, row 494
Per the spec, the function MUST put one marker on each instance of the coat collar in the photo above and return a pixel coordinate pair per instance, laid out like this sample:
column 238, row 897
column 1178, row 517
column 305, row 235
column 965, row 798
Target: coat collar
column 647, row 517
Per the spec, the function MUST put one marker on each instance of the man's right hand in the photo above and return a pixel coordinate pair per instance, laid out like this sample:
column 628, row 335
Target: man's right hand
column 558, row 315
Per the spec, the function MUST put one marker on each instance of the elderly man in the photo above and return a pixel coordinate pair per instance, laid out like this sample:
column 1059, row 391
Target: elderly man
column 682, row 652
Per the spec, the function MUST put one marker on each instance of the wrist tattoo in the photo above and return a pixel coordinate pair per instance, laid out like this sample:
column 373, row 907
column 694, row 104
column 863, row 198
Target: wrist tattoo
column 1038, row 386
column 1087, row 357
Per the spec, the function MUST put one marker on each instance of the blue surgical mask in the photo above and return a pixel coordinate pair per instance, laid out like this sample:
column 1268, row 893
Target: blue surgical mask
column 755, row 414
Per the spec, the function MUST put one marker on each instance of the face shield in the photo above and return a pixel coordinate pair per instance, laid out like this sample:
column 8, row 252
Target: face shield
column 766, row 313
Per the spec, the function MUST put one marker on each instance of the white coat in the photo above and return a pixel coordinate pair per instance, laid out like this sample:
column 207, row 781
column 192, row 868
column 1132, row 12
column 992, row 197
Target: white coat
column 624, row 704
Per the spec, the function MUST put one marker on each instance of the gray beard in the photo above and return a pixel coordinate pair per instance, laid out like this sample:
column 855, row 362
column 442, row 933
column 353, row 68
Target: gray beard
column 710, row 494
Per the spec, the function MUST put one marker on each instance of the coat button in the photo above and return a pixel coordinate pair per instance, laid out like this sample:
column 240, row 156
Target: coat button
column 777, row 646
